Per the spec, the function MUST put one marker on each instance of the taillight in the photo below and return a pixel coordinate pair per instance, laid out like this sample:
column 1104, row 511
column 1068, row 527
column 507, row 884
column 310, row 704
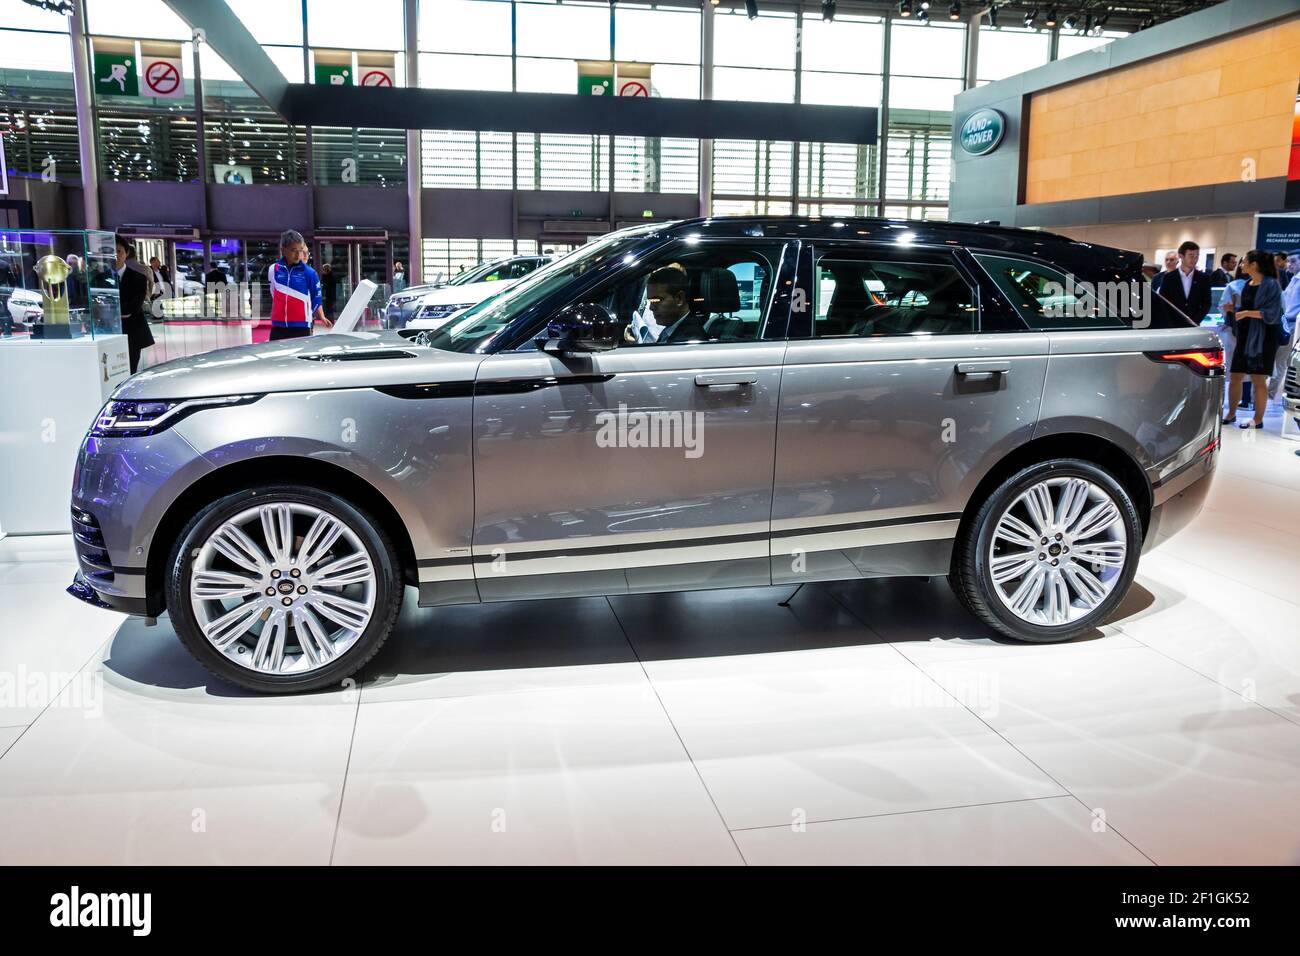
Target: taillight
column 1207, row 362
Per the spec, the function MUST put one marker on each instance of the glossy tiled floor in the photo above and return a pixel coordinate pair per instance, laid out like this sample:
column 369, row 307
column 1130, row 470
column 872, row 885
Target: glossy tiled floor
column 868, row 723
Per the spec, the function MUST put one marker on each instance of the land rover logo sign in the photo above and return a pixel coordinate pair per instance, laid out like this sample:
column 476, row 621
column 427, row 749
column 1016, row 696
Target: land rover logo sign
column 982, row 132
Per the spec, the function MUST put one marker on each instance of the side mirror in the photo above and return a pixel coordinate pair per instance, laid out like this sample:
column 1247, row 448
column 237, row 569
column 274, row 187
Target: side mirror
column 583, row 327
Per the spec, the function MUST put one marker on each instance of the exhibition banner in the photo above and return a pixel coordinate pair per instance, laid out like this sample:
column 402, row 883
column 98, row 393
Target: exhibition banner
column 1293, row 171
column 1277, row 233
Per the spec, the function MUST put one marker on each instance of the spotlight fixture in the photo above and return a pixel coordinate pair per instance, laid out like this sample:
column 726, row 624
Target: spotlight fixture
column 954, row 11
column 904, row 8
column 1052, row 19
column 751, row 8
column 1031, row 18
column 993, row 17
column 923, row 17
column 828, row 10
column 1070, row 22
column 1087, row 25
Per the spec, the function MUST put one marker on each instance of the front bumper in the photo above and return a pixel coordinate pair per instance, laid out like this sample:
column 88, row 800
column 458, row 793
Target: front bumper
column 120, row 491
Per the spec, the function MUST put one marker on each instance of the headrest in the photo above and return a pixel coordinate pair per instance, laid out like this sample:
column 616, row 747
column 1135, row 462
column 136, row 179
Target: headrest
column 715, row 290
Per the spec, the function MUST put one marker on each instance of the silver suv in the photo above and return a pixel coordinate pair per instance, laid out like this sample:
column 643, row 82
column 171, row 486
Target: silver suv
column 713, row 403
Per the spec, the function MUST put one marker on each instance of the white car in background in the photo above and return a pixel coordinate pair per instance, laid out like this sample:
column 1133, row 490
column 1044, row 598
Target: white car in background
column 26, row 308
column 438, row 305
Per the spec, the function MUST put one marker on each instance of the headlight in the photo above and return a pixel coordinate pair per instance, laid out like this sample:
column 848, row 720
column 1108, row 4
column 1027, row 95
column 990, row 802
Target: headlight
column 441, row 311
column 120, row 419
column 402, row 299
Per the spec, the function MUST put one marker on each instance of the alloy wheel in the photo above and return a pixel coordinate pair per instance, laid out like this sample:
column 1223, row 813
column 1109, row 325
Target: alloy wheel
column 1058, row 551
column 283, row 588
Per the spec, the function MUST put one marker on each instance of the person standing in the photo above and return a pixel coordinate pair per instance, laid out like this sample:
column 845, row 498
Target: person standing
column 1187, row 288
column 134, row 282
column 295, row 290
column 1290, row 312
column 1283, row 276
column 399, row 277
column 329, row 284
column 1227, row 266
column 1259, row 328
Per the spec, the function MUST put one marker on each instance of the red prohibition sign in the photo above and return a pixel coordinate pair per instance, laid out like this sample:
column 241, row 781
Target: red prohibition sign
column 633, row 88
column 376, row 78
column 161, row 77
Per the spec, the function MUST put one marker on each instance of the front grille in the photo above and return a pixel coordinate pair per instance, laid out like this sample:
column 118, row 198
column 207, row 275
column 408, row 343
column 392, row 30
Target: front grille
column 1293, row 383
column 92, row 552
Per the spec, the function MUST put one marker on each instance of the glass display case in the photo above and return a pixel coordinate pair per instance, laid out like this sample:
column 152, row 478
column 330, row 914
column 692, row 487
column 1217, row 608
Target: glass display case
column 57, row 284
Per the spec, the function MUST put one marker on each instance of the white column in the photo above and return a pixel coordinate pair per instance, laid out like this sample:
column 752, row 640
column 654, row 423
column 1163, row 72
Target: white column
column 414, row 189
column 706, row 93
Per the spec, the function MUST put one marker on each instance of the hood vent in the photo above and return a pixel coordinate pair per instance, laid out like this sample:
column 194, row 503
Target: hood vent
column 376, row 355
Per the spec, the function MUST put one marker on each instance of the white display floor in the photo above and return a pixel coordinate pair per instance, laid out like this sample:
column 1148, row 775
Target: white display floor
column 698, row 728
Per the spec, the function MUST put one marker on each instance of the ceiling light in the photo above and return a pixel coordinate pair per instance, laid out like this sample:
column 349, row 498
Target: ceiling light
column 828, row 10
column 751, row 7
column 923, row 17
column 1052, row 19
column 954, row 11
column 993, row 17
column 904, row 8
column 1031, row 17
column 1070, row 22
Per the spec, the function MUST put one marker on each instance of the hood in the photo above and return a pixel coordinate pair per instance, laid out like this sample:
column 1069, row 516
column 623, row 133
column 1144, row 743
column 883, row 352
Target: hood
column 350, row 360
column 469, row 294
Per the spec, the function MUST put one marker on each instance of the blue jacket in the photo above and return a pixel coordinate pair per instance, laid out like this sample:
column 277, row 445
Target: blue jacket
column 295, row 293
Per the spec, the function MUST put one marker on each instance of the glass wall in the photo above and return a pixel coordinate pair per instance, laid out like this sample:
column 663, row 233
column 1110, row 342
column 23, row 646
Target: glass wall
column 780, row 56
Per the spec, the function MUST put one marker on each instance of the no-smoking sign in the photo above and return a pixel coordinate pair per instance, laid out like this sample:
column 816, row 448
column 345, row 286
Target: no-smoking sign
column 377, row 77
column 162, row 77
column 633, row 88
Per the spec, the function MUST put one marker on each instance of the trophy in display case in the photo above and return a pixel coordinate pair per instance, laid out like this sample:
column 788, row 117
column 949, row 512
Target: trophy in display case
column 53, row 273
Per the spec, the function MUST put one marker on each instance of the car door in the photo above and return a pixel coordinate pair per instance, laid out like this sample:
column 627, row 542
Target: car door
column 647, row 467
column 895, row 400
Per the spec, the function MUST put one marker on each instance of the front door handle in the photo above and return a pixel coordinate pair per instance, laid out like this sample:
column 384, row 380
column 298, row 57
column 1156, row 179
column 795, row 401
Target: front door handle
column 716, row 379
column 983, row 368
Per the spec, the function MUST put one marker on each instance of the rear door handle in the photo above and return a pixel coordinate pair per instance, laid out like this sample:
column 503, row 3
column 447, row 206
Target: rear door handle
column 718, row 379
column 983, row 368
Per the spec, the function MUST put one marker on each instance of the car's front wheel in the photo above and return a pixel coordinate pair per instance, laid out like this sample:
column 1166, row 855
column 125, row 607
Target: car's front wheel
column 1050, row 553
column 283, row 588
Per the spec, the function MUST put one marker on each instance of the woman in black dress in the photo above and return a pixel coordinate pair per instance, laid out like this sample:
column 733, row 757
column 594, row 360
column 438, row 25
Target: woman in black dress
column 1259, row 333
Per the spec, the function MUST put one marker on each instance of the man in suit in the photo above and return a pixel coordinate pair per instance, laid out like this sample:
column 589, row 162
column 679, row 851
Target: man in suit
column 134, row 282
column 1187, row 288
column 1225, row 273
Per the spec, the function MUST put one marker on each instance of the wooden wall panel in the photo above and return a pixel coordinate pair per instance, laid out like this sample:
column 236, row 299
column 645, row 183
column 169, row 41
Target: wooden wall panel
column 1185, row 119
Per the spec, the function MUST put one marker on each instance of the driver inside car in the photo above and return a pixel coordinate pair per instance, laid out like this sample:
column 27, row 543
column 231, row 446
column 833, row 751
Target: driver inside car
column 667, row 316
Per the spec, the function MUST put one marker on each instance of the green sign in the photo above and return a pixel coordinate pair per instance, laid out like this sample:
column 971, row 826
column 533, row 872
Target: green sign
column 982, row 132
column 337, row 74
column 115, row 74
column 592, row 84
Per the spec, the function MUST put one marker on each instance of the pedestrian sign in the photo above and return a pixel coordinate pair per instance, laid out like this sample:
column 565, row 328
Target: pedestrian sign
column 333, row 74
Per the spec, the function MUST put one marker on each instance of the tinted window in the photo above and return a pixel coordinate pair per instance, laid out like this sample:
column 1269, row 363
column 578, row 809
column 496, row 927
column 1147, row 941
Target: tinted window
column 714, row 292
column 871, row 297
column 1048, row 299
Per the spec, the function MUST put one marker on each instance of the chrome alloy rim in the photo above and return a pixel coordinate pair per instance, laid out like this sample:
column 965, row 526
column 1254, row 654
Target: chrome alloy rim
column 1058, row 551
column 283, row 588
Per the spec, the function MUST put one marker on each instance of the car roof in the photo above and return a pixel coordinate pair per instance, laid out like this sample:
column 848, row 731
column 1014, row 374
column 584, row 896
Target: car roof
column 979, row 236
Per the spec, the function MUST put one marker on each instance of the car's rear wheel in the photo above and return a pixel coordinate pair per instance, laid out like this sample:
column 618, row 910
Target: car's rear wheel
column 1050, row 553
column 283, row 588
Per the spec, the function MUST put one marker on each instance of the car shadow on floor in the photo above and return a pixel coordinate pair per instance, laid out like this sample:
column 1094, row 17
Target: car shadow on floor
column 624, row 629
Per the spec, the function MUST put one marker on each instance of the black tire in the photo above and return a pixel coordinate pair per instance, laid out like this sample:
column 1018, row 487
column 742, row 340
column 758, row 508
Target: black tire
column 387, row 600
column 972, row 580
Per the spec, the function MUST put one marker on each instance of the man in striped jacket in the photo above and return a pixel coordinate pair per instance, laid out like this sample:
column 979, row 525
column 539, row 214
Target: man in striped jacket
column 295, row 290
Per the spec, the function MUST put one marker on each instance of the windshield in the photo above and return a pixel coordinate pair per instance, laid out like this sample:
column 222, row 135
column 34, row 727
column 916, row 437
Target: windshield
column 471, row 275
column 480, row 322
